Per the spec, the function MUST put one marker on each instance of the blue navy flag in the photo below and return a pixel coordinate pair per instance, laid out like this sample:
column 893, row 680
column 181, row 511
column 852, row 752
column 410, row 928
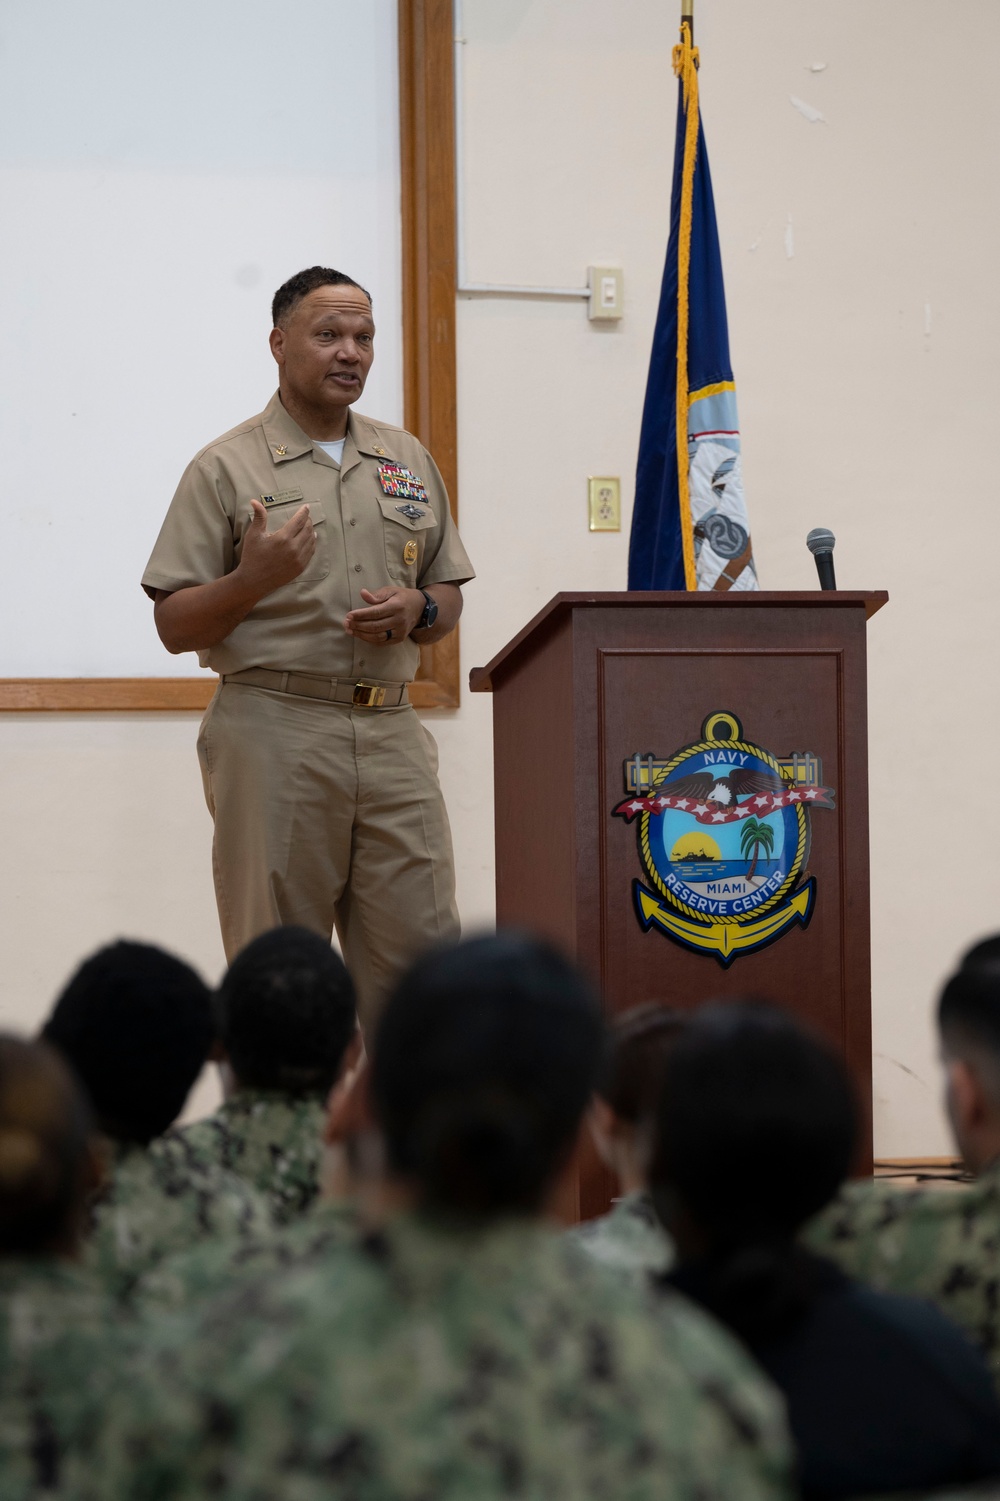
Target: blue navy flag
column 689, row 526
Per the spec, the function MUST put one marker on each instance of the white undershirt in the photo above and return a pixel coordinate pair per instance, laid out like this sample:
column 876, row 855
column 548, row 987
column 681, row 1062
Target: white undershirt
column 335, row 450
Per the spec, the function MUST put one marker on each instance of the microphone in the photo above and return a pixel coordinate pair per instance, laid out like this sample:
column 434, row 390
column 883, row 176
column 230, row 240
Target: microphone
column 820, row 543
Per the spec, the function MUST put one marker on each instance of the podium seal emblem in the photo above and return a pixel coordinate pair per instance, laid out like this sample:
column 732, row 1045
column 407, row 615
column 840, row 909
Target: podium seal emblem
column 724, row 832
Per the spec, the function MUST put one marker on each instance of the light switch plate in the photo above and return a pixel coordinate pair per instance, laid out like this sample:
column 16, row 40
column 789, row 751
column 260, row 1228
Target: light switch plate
column 605, row 503
column 607, row 293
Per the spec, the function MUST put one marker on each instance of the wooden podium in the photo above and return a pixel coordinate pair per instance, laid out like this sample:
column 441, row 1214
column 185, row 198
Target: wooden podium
column 605, row 701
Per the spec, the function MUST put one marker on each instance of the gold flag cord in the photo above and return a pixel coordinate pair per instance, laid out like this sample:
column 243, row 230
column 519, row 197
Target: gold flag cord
column 686, row 69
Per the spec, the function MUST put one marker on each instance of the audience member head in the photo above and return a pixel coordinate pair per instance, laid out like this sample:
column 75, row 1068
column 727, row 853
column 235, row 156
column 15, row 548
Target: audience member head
column 46, row 1158
column 135, row 1024
column 621, row 1115
column 285, row 1013
column 984, row 955
column 755, row 1129
column 755, row 1134
column 484, row 1061
column 969, row 1024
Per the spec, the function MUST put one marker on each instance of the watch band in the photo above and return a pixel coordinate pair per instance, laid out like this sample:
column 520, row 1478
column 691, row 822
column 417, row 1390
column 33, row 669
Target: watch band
column 430, row 612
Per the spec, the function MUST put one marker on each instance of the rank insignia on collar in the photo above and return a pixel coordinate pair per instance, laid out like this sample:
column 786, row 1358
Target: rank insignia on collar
column 402, row 483
column 411, row 512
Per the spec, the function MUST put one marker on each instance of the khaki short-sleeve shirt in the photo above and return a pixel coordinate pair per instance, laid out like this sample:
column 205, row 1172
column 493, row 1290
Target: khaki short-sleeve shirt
column 381, row 518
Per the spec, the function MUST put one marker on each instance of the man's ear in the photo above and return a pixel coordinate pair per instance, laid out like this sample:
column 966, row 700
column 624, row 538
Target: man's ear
column 605, row 1130
column 603, row 1121
column 353, row 1054
column 96, row 1167
column 968, row 1105
column 276, row 339
column 347, row 1107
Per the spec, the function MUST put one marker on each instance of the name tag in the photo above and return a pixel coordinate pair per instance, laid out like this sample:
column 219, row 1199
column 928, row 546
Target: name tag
column 402, row 483
column 280, row 497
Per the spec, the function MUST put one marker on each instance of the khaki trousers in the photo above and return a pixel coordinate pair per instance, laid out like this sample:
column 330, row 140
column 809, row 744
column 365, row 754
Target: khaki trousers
column 331, row 818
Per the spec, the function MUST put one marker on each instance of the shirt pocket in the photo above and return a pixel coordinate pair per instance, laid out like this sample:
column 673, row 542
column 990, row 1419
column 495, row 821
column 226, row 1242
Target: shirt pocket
column 281, row 511
column 405, row 525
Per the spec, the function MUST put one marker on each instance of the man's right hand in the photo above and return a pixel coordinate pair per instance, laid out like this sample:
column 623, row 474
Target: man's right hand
column 270, row 559
column 201, row 615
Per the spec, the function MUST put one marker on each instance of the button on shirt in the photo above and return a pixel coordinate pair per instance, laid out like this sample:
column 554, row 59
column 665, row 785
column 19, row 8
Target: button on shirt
column 362, row 537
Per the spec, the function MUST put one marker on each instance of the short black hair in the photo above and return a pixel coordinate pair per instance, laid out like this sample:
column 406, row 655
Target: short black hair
column 984, row 955
column 640, row 1039
column 286, row 1012
column 969, row 1008
column 756, row 1125
column 45, row 1131
column 291, row 292
column 484, row 1060
column 135, row 1023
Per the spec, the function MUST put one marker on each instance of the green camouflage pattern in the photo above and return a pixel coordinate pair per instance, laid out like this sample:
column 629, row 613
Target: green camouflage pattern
column 989, row 1491
column 57, row 1354
column 213, row 1266
column 271, row 1139
column 937, row 1243
column 152, row 1206
column 629, row 1239
column 458, row 1366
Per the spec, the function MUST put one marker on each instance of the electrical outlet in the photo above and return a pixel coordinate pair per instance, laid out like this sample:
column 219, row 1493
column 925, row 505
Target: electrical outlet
column 607, row 293
column 605, row 494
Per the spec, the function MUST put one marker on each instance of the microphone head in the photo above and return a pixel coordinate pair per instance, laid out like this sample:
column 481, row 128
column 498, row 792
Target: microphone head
column 821, row 539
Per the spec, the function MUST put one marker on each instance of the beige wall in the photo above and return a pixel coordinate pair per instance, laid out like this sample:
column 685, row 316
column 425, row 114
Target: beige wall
column 866, row 366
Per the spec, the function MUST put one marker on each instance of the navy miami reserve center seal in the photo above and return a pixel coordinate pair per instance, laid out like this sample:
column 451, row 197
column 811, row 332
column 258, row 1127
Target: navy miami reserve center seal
column 724, row 833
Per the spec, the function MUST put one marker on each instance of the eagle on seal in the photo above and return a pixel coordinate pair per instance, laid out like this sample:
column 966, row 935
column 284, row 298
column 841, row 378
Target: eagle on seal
column 706, row 787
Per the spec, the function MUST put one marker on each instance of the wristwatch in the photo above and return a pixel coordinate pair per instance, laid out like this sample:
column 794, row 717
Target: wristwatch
column 430, row 614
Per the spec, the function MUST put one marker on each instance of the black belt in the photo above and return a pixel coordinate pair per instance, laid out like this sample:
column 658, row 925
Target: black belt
column 360, row 695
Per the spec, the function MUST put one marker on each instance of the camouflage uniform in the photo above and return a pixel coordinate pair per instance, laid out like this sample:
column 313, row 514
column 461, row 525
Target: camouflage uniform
column 214, row 1265
column 151, row 1207
column 57, row 1352
column 629, row 1239
column 447, row 1365
column 937, row 1243
column 271, row 1139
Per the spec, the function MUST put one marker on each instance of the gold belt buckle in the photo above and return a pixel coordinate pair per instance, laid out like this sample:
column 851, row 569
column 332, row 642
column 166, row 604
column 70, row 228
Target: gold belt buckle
column 368, row 696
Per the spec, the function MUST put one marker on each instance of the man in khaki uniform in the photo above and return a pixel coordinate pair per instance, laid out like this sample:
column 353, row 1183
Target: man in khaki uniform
column 306, row 555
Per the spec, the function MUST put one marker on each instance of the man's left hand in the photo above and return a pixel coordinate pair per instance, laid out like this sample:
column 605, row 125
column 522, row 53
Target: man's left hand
column 390, row 617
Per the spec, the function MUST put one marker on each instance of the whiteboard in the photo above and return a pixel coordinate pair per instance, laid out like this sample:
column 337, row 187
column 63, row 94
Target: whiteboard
column 163, row 170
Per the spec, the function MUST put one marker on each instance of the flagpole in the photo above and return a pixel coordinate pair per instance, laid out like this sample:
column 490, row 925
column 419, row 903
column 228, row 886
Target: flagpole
column 687, row 14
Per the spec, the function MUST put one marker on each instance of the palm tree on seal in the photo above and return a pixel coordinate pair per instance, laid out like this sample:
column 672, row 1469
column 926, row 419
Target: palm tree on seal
column 755, row 836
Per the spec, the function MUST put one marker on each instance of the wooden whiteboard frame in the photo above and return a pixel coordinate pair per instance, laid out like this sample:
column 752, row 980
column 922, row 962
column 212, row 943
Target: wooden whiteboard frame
column 427, row 171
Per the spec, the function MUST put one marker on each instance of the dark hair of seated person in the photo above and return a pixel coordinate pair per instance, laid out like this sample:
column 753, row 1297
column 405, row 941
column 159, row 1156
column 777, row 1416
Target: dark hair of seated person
column 984, row 955
column 484, row 1060
column 135, row 1024
column 969, row 1007
column 285, row 1012
column 45, row 1158
column 755, row 1132
column 638, row 1042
